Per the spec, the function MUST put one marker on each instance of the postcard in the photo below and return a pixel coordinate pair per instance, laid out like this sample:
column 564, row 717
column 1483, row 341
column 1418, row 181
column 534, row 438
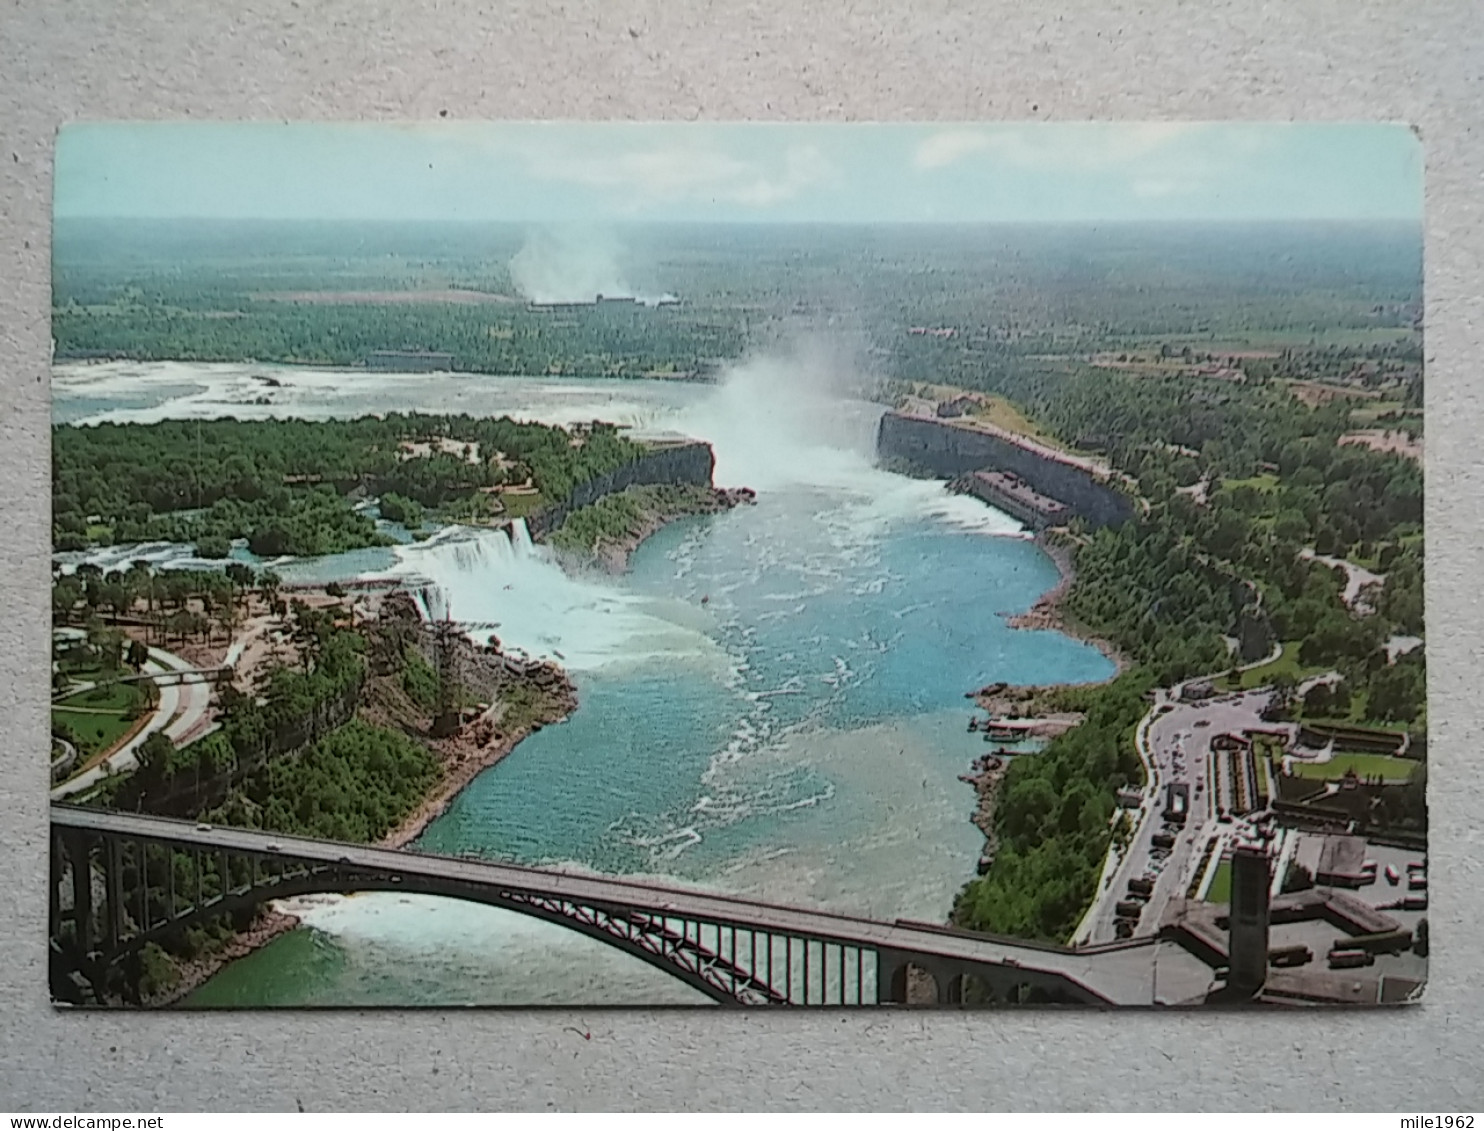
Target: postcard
column 972, row 565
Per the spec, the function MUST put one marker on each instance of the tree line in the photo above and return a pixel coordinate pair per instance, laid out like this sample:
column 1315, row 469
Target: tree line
column 285, row 486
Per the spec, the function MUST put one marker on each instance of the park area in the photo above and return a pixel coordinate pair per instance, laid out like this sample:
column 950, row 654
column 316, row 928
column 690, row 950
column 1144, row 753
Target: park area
column 1220, row 890
column 1287, row 663
column 98, row 719
column 1365, row 766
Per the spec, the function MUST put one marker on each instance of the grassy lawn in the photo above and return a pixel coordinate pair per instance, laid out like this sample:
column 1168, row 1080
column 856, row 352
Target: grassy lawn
column 94, row 732
column 1287, row 662
column 1264, row 482
column 1220, row 890
column 101, row 717
column 522, row 506
column 1366, row 765
column 110, row 697
column 1000, row 412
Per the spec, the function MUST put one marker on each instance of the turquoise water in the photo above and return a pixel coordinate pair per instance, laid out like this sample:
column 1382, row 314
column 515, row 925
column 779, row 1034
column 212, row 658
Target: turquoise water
column 675, row 767
column 771, row 699
column 798, row 736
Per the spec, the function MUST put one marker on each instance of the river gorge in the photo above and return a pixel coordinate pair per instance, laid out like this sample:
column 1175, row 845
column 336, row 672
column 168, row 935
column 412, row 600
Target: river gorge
column 771, row 698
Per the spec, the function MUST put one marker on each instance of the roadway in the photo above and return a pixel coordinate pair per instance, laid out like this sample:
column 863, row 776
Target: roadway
column 1357, row 578
column 1175, row 743
column 1121, row 976
column 181, row 711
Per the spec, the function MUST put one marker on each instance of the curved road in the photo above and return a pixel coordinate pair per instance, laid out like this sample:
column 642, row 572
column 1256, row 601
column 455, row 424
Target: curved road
column 1357, row 577
column 186, row 702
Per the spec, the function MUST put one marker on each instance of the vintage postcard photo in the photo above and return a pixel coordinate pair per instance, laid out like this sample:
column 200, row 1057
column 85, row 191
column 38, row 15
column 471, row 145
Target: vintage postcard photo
column 973, row 565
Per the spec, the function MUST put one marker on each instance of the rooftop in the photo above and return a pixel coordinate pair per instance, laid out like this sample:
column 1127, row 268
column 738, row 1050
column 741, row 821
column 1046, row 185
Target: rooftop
column 1016, row 488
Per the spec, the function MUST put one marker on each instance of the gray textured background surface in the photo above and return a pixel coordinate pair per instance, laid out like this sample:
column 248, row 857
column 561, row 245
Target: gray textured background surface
column 1416, row 61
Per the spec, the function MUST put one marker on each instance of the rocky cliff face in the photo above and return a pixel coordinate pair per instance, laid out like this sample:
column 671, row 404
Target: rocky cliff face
column 689, row 463
column 951, row 451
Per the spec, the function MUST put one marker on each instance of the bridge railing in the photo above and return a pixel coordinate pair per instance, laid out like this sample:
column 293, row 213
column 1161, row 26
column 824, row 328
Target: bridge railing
column 161, row 879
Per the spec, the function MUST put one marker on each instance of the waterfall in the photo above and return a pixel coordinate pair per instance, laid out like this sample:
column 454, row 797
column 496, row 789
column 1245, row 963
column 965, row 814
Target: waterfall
column 502, row 577
column 520, row 538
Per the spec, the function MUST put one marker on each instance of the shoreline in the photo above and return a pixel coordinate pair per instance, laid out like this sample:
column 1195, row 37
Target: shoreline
column 267, row 926
column 478, row 745
column 1047, row 613
column 466, row 757
column 463, row 758
column 466, row 765
column 988, row 771
column 612, row 555
column 988, row 775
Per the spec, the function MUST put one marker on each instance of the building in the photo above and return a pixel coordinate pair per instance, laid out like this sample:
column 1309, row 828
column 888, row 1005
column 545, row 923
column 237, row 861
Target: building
column 1017, row 498
column 1177, row 802
column 1196, row 691
column 1342, row 863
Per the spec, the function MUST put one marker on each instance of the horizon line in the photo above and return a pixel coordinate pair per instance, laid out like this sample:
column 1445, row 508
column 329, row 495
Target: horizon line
column 747, row 221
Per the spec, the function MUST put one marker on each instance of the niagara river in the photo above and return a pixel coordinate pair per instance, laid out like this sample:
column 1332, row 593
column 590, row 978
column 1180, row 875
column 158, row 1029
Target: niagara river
column 772, row 699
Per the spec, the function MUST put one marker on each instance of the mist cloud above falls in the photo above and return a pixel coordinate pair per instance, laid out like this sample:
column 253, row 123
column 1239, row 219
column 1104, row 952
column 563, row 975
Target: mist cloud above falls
column 789, row 417
column 797, row 418
column 572, row 265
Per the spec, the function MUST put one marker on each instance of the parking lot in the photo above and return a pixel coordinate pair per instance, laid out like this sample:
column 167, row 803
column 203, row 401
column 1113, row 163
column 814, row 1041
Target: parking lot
column 1179, row 745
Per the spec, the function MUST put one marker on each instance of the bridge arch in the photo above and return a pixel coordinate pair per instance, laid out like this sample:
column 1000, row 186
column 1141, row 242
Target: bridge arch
column 702, row 956
column 118, row 878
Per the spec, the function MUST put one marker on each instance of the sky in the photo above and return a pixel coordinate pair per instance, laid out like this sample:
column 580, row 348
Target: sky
column 741, row 172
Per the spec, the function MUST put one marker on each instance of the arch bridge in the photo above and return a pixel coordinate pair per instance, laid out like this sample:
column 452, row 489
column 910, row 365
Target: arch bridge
column 120, row 881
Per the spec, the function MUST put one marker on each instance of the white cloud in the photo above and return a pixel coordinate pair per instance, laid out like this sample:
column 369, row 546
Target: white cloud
column 945, row 148
column 1056, row 145
column 1152, row 189
column 677, row 173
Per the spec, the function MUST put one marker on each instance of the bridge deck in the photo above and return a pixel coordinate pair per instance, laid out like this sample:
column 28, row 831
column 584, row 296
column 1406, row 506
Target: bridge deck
column 1120, row 976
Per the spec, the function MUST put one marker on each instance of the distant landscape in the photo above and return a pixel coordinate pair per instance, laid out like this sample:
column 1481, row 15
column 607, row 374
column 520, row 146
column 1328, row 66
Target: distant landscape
column 681, row 555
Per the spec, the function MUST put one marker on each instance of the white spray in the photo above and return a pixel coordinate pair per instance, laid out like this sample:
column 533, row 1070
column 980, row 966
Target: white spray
column 573, row 265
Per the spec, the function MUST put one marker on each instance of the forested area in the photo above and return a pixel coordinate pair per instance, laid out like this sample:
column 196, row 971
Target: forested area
column 307, row 292
column 1239, row 476
column 627, row 342
column 624, row 515
column 283, row 485
column 299, row 763
column 289, row 706
column 1053, row 819
column 355, row 784
column 1238, row 482
column 1241, row 480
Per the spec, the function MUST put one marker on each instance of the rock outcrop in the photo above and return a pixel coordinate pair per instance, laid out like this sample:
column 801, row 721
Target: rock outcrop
column 691, row 462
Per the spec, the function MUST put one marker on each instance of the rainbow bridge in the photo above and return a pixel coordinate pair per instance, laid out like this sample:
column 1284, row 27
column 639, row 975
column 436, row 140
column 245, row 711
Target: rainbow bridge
column 120, row 881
